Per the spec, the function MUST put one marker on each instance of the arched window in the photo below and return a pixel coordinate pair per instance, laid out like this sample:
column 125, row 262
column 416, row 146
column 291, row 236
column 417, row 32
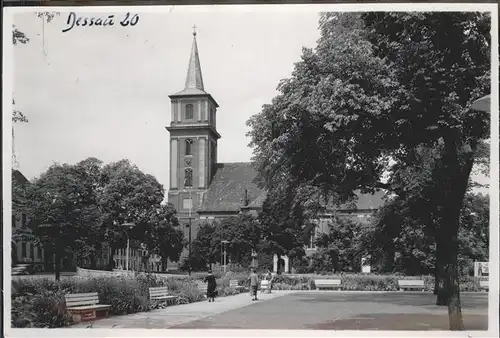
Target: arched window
column 189, row 147
column 189, row 112
column 188, row 177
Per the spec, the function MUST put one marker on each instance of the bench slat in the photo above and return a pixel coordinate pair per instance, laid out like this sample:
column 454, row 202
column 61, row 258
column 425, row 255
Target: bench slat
column 73, row 304
column 411, row 282
column 80, row 308
column 90, row 298
column 158, row 291
column 328, row 281
column 80, row 295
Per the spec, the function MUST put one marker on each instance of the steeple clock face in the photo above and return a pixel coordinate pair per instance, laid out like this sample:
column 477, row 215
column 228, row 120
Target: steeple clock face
column 188, row 161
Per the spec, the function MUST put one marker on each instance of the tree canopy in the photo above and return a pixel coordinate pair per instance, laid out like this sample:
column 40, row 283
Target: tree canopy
column 378, row 86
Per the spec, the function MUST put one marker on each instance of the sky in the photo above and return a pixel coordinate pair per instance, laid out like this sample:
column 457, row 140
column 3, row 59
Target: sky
column 103, row 91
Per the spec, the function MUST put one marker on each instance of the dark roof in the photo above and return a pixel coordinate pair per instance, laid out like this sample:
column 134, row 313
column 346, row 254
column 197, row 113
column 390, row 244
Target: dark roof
column 18, row 177
column 365, row 202
column 226, row 192
column 227, row 189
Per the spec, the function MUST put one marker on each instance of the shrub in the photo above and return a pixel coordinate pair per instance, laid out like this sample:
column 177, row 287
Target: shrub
column 40, row 302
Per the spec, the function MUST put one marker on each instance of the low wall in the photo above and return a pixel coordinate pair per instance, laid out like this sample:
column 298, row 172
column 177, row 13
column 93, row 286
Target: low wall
column 101, row 273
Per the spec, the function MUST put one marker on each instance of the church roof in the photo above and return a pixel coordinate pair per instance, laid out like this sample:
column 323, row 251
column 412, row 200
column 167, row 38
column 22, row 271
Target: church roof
column 227, row 190
column 19, row 178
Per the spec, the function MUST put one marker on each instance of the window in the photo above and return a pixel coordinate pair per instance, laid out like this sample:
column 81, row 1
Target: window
column 189, row 112
column 23, row 222
column 188, row 177
column 23, row 250
column 187, row 203
column 14, row 221
column 189, row 147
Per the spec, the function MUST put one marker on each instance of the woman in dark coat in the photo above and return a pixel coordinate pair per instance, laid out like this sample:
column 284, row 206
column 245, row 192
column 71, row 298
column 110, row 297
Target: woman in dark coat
column 211, row 287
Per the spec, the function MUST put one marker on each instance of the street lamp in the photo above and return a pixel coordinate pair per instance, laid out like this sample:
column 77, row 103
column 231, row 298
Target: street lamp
column 129, row 226
column 189, row 226
column 225, row 254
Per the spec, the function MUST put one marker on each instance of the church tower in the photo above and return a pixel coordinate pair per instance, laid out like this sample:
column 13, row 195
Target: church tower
column 193, row 143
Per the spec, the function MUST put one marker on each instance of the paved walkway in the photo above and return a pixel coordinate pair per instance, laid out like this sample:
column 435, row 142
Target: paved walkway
column 179, row 314
column 306, row 310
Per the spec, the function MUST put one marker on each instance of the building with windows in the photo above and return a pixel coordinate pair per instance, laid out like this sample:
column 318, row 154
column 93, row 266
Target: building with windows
column 201, row 188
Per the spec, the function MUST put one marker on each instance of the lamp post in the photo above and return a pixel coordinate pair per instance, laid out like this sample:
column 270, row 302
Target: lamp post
column 129, row 226
column 224, row 243
column 190, row 208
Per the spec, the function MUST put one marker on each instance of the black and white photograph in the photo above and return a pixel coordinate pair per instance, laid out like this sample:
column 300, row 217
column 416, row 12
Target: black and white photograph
column 284, row 167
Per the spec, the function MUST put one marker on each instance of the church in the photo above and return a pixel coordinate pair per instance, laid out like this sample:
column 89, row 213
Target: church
column 201, row 188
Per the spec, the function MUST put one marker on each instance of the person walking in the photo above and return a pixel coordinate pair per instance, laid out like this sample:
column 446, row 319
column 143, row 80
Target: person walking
column 254, row 284
column 211, row 286
column 269, row 278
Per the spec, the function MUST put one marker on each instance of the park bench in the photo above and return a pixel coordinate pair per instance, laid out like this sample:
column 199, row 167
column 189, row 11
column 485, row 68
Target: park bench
column 203, row 288
column 411, row 284
column 85, row 306
column 484, row 285
column 328, row 284
column 161, row 294
column 265, row 285
column 233, row 283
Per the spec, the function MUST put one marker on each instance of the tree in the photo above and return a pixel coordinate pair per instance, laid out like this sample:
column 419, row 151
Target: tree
column 283, row 224
column 127, row 202
column 203, row 253
column 61, row 205
column 167, row 240
column 378, row 86
column 339, row 249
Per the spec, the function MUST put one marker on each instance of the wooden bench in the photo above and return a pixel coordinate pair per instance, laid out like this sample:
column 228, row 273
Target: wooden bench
column 203, row 288
column 233, row 283
column 265, row 285
column 161, row 294
column 484, row 285
column 85, row 306
column 411, row 284
column 328, row 284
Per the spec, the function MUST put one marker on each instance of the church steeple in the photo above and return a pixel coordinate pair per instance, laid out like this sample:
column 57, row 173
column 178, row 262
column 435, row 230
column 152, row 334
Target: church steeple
column 194, row 79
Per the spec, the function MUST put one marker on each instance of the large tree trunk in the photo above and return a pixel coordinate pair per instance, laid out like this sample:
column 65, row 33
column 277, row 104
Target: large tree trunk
column 439, row 284
column 455, row 187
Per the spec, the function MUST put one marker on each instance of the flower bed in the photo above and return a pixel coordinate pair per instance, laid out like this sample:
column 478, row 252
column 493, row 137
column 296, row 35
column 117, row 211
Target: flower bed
column 40, row 302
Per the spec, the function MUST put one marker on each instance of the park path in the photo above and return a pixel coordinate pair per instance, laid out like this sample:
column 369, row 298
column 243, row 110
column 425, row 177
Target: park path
column 178, row 314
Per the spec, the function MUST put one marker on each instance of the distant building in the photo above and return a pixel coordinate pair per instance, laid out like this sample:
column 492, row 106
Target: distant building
column 203, row 189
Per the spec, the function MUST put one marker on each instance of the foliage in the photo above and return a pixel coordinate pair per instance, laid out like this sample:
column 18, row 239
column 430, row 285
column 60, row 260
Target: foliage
column 202, row 251
column 282, row 222
column 166, row 240
column 379, row 85
column 40, row 302
column 339, row 248
column 61, row 205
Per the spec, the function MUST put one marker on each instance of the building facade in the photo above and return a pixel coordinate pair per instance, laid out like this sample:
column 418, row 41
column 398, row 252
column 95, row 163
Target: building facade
column 203, row 190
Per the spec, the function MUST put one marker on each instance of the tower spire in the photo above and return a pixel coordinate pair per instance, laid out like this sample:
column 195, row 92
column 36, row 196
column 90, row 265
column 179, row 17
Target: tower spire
column 194, row 79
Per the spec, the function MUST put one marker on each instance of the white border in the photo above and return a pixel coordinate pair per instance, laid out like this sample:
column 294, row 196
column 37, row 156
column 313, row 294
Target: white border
column 494, row 170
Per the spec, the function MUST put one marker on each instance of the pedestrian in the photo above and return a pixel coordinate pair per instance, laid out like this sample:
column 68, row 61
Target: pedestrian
column 269, row 278
column 211, row 286
column 254, row 284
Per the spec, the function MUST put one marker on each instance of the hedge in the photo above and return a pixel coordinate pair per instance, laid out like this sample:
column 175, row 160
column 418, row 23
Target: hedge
column 40, row 302
column 359, row 282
